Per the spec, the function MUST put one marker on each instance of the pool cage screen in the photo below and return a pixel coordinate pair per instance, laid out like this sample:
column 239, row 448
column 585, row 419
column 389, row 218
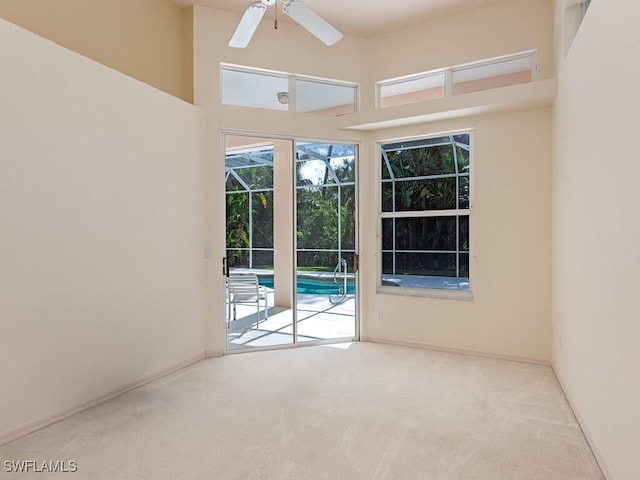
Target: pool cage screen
column 325, row 205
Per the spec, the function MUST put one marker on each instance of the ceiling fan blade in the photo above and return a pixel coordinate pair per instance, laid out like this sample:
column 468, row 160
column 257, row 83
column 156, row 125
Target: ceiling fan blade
column 248, row 25
column 310, row 20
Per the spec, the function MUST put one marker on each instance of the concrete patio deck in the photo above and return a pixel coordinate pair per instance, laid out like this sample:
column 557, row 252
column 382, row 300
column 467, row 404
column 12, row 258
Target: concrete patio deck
column 318, row 319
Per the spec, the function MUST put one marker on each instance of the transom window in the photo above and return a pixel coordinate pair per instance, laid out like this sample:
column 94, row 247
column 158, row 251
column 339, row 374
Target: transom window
column 246, row 87
column 424, row 213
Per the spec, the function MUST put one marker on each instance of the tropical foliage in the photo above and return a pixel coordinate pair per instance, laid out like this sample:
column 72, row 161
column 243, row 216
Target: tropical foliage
column 325, row 205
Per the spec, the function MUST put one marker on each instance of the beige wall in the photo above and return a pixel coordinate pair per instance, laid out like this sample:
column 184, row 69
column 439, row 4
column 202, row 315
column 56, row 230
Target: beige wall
column 101, row 232
column 596, row 231
column 500, row 29
column 510, row 312
column 510, row 245
column 141, row 38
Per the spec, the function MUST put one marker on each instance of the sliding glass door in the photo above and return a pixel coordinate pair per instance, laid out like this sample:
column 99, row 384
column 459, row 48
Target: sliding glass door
column 291, row 253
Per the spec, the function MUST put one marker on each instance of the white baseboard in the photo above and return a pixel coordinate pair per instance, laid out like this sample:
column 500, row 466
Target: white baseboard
column 462, row 351
column 585, row 430
column 50, row 420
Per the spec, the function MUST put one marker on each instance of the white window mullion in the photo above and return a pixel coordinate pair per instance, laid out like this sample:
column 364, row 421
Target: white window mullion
column 426, row 213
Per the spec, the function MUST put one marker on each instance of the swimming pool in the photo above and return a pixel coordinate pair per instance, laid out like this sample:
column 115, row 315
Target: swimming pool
column 313, row 286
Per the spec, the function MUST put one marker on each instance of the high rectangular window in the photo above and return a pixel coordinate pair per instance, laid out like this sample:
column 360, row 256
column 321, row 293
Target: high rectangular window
column 313, row 96
column 494, row 74
column 425, row 213
column 486, row 74
column 253, row 89
column 412, row 90
column 246, row 87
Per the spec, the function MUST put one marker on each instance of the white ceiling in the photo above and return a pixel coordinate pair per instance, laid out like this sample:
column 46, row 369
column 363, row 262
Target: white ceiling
column 362, row 17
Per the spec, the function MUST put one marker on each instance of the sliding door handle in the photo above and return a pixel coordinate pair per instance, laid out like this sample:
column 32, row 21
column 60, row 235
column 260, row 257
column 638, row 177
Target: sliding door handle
column 225, row 267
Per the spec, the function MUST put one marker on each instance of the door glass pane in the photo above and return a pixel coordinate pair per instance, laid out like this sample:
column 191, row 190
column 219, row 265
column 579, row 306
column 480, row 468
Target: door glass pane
column 252, row 319
column 262, row 227
column 325, row 235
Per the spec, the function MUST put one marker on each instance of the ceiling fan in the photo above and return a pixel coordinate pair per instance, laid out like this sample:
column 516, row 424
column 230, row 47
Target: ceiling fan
column 298, row 11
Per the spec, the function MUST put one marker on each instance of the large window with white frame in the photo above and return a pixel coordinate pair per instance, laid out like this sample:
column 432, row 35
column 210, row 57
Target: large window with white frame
column 425, row 191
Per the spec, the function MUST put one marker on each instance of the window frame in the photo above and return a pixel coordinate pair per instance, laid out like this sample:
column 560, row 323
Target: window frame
column 451, row 293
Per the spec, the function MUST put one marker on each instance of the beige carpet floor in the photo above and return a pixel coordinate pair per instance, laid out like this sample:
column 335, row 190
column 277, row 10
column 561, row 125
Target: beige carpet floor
column 355, row 411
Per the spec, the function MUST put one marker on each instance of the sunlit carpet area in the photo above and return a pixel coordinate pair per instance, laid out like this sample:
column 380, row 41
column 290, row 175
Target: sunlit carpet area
column 350, row 411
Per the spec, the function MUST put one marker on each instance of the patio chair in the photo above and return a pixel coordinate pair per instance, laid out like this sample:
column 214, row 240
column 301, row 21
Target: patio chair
column 243, row 288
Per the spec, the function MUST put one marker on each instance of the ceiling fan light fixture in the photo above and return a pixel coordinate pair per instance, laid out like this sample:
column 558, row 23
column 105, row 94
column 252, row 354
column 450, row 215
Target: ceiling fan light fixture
column 283, row 97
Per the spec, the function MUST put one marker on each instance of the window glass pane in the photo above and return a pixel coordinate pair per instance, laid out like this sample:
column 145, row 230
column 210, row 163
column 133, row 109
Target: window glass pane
column 317, row 261
column 257, row 177
column 347, row 212
column 327, row 98
column 387, row 264
column 238, row 258
column 464, row 233
column 247, row 157
column 412, row 90
column 233, row 184
column 425, row 264
column 430, row 233
column 262, row 203
column 237, row 228
column 263, row 259
column 387, row 197
column 317, row 223
column 423, row 161
column 423, row 142
column 313, row 172
column 464, row 266
column 463, row 160
column 319, row 164
column 387, row 233
column 462, row 139
column 344, row 168
column 419, row 195
column 492, row 75
column 252, row 89
column 385, row 168
column 463, row 192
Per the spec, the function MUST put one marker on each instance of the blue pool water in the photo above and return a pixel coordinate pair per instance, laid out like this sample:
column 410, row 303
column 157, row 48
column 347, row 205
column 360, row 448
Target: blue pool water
column 309, row 285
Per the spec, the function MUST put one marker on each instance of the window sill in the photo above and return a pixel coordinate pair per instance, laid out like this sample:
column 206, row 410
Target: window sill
column 513, row 97
column 426, row 292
